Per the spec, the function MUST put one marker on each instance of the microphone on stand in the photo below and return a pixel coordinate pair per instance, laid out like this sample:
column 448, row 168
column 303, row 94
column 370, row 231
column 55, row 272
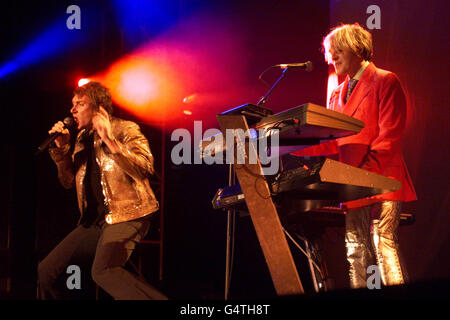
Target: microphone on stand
column 68, row 122
column 308, row 66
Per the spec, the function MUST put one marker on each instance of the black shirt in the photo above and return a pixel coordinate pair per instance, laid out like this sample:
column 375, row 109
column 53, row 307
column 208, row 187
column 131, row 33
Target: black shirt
column 95, row 210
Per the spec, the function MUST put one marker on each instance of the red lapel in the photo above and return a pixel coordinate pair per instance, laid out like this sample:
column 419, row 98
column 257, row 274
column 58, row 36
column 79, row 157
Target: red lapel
column 343, row 93
column 361, row 90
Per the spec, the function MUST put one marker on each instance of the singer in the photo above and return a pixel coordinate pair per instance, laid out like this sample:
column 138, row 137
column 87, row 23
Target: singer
column 374, row 96
column 108, row 166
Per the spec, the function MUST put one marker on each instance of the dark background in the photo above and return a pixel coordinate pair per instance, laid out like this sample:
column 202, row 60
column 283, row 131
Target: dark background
column 37, row 212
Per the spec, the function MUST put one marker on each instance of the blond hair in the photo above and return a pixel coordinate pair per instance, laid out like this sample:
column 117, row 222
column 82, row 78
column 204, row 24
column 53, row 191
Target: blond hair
column 349, row 36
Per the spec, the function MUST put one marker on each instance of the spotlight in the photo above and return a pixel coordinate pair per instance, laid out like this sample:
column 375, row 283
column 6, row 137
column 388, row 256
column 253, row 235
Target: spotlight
column 83, row 81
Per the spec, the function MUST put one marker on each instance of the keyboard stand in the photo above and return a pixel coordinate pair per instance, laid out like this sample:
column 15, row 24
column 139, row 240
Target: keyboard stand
column 264, row 215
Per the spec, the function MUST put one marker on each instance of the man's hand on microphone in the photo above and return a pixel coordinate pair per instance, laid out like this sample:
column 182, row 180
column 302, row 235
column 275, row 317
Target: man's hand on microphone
column 64, row 137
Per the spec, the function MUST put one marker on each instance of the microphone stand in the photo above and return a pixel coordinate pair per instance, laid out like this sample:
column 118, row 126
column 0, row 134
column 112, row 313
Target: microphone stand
column 231, row 216
column 264, row 99
column 231, row 213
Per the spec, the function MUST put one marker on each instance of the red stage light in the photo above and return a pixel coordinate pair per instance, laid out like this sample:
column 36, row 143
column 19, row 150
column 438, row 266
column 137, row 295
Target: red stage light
column 139, row 84
column 157, row 80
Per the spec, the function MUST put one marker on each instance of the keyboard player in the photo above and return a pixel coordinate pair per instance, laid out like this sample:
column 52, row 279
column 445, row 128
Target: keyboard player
column 375, row 97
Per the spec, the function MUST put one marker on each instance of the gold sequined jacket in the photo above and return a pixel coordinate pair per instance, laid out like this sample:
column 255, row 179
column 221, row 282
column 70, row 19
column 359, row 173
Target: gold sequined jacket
column 123, row 175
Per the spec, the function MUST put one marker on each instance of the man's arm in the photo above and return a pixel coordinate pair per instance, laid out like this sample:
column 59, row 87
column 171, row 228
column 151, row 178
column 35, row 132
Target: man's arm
column 130, row 149
column 63, row 160
column 60, row 153
column 132, row 152
column 328, row 148
column 391, row 121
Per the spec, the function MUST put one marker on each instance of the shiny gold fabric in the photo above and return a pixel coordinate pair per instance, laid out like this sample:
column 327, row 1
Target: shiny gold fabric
column 367, row 244
column 124, row 175
column 385, row 243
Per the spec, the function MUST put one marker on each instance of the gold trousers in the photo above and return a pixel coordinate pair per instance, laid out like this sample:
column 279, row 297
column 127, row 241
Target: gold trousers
column 369, row 242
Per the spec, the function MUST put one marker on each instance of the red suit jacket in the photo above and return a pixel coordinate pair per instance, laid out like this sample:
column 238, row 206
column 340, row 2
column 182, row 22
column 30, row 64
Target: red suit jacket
column 377, row 100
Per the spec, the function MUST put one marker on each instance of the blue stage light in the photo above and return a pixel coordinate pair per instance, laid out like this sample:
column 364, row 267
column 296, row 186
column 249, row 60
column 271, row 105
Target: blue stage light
column 143, row 19
column 8, row 68
column 56, row 39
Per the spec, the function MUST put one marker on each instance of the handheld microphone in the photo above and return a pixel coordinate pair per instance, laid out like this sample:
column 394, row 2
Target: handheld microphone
column 308, row 66
column 68, row 122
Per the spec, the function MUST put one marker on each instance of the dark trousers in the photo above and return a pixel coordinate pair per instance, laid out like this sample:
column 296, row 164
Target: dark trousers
column 109, row 246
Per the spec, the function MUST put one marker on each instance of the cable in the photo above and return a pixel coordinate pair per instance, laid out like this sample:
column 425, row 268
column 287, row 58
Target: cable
column 232, row 240
column 304, row 252
column 262, row 73
column 230, row 237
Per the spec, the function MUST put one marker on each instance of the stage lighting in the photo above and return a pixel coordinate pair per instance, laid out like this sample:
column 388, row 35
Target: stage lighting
column 142, row 19
column 190, row 98
column 56, row 39
column 83, row 81
column 180, row 71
